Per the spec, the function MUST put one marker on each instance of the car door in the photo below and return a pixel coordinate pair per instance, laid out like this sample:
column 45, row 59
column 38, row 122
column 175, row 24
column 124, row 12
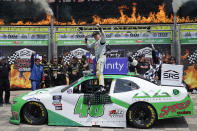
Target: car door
column 72, row 100
column 75, row 105
column 121, row 91
column 85, row 106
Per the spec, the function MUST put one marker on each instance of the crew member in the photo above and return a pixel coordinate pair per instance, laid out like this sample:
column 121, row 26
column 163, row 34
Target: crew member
column 172, row 60
column 142, row 66
column 4, row 81
column 56, row 71
column 45, row 64
column 74, row 70
column 132, row 63
column 100, row 53
column 84, row 63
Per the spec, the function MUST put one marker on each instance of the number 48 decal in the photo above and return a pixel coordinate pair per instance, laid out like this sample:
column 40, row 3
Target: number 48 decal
column 83, row 110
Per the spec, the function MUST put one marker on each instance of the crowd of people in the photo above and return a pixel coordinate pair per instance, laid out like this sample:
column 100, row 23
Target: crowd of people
column 45, row 74
column 150, row 68
column 56, row 72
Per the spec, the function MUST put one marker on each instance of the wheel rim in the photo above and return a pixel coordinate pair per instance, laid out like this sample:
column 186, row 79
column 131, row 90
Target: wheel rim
column 34, row 112
column 142, row 116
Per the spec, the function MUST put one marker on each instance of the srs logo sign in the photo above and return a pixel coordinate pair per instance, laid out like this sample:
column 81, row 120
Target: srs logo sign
column 171, row 74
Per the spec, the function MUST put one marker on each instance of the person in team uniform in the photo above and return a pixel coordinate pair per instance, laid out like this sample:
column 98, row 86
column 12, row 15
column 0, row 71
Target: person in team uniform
column 74, row 70
column 84, row 63
column 56, row 71
column 142, row 66
column 45, row 64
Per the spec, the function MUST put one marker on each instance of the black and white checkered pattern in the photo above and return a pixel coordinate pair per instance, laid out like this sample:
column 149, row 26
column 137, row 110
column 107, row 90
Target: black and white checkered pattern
column 68, row 58
column 12, row 59
column 136, row 55
column 193, row 57
column 150, row 74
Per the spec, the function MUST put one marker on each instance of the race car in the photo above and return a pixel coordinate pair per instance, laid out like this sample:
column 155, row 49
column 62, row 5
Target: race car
column 127, row 101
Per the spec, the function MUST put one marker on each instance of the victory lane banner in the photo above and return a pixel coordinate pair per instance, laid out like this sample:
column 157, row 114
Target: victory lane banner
column 118, row 38
column 20, row 69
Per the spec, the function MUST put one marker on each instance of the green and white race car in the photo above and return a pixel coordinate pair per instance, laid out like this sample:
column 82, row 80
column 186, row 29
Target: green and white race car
column 127, row 100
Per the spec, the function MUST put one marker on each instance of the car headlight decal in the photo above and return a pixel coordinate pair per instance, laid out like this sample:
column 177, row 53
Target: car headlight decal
column 15, row 115
column 14, row 102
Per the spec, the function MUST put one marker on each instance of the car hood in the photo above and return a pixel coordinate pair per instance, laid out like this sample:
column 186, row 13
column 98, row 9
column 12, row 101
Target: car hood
column 45, row 91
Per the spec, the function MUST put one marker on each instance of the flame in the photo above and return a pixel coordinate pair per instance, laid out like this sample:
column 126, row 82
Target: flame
column 159, row 17
column 19, row 82
column 2, row 22
column 191, row 76
column 186, row 55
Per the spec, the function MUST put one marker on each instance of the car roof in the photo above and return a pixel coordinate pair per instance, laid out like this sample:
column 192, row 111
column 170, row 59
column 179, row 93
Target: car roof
column 114, row 76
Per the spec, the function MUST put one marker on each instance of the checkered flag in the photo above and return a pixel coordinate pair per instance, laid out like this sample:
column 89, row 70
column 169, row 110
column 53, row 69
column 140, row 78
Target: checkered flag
column 136, row 55
column 68, row 58
column 192, row 58
column 150, row 74
column 12, row 59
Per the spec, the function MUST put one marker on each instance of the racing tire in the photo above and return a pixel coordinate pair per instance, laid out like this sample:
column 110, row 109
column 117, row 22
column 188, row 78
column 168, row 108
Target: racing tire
column 141, row 115
column 34, row 113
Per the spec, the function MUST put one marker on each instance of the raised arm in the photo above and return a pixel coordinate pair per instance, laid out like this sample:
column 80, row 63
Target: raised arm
column 154, row 56
column 32, row 60
column 103, row 37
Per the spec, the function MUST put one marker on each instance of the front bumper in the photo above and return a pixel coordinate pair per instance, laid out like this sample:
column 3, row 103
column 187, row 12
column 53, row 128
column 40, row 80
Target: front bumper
column 15, row 118
column 14, row 121
column 16, row 109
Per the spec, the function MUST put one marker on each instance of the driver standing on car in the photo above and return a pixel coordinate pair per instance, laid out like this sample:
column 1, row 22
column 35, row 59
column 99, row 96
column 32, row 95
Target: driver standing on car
column 100, row 53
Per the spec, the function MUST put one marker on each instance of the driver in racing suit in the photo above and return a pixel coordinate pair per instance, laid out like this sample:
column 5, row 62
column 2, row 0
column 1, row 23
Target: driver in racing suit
column 100, row 53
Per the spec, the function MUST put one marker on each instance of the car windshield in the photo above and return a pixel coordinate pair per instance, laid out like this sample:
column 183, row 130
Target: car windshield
column 67, row 87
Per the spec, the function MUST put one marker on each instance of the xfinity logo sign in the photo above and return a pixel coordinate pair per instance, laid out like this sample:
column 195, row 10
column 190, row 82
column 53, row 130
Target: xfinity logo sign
column 171, row 75
column 114, row 66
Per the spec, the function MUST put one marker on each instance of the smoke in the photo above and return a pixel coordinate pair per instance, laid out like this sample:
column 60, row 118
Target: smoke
column 176, row 4
column 44, row 6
